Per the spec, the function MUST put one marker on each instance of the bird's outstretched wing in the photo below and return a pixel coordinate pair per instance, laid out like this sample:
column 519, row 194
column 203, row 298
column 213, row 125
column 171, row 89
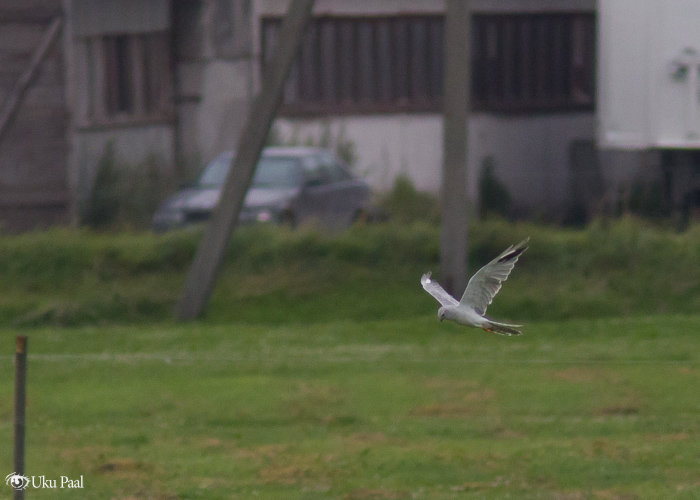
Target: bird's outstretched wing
column 434, row 289
column 486, row 283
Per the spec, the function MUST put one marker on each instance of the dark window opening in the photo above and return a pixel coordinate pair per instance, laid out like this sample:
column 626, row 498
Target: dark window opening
column 533, row 62
column 364, row 64
column 118, row 75
column 130, row 76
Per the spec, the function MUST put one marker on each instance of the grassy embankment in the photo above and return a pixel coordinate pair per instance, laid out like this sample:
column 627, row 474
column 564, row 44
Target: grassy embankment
column 273, row 277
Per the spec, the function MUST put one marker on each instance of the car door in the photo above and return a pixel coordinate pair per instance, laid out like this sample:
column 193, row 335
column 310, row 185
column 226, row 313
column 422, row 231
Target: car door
column 315, row 199
column 349, row 194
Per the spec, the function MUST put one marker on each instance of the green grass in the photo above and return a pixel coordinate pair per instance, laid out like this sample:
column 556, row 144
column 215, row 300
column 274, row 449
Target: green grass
column 400, row 408
column 610, row 269
column 321, row 371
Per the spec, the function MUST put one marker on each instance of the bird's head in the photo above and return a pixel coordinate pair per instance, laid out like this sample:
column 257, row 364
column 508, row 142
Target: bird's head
column 441, row 313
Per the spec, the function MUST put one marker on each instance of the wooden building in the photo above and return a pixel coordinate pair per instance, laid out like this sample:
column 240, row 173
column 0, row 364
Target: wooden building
column 34, row 139
column 158, row 82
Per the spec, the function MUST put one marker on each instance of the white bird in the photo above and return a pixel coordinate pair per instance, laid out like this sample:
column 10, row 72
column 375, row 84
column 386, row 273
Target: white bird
column 479, row 294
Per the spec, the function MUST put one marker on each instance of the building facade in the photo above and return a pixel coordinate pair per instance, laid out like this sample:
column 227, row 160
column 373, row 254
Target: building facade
column 167, row 84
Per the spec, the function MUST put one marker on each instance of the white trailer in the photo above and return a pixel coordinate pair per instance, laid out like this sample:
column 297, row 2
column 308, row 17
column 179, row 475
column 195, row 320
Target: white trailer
column 648, row 66
column 648, row 92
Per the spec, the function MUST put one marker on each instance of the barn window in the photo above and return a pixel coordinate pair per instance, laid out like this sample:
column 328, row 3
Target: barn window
column 533, row 62
column 129, row 77
column 364, row 64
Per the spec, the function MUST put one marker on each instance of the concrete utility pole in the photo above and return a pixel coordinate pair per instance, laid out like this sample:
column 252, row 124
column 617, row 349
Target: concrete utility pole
column 453, row 232
column 210, row 254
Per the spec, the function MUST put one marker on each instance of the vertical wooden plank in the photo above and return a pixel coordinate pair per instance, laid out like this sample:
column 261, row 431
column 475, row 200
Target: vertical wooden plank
column 454, row 225
column 401, row 61
column 385, row 70
column 346, row 58
column 309, row 57
column 366, row 76
column 419, row 59
column 436, row 58
column 105, row 103
column 329, row 61
column 210, row 254
column 137, row 75
column 526, row 68
column 507, row 61
column 560, row 55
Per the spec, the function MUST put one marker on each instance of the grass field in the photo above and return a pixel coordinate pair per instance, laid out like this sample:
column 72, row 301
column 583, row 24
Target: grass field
column 392, row 409
column 321, row 370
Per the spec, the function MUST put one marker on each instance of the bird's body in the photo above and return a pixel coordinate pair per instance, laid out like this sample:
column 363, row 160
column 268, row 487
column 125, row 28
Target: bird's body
column 482, row 287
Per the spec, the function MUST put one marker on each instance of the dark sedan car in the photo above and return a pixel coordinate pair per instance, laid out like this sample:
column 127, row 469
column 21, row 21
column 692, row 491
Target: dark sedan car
column 291, row 185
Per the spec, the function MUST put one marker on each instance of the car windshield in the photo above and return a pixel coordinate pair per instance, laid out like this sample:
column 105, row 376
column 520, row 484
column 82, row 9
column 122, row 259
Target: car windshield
column 271, row 172
column 277, row 172
column 214, row 174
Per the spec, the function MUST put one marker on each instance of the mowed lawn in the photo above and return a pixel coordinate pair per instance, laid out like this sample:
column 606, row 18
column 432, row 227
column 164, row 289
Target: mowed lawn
column 391, row 409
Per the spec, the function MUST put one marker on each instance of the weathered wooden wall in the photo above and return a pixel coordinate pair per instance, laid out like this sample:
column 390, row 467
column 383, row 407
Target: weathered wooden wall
column 34, row 146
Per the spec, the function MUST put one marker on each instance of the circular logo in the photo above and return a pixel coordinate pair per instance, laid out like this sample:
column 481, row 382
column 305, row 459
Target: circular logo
column 17, row 481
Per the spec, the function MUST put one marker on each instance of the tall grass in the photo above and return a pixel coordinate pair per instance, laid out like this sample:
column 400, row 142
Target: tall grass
column 619, row 267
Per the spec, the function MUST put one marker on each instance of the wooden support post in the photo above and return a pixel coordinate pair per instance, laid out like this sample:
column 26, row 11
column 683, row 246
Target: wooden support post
column 20, row 405
column 210, row 254
column 455, row 206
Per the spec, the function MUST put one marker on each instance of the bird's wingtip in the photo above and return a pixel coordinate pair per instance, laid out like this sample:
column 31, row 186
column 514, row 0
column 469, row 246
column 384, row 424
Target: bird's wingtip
column 426, row 278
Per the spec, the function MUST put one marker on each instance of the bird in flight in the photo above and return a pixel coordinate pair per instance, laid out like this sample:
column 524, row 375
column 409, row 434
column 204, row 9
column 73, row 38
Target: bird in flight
column 479, row 294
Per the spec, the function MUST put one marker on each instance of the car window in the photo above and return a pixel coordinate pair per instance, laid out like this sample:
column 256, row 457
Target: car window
column 214, row 174
column 336, row 171
column 315, row 170
column 277, row 172
column 271, row 172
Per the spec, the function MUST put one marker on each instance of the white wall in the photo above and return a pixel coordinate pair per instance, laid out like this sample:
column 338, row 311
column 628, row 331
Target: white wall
column 530, row 153
column 385, row 145
column 226, row 93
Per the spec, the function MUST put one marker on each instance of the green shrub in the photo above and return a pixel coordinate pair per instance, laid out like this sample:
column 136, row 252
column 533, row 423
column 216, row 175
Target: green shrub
column 124, row 195
column 494, row 197
column 102, row 207
column 405, row 204
column 646, row 199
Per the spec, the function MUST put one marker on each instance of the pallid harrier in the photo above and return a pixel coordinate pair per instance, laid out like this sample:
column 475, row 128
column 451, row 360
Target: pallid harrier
column 482, row 288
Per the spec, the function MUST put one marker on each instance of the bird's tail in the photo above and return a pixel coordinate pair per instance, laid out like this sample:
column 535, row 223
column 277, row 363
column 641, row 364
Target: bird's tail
column 503, row 328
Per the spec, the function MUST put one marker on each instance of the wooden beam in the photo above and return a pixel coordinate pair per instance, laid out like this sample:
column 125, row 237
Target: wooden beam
column 210, row 254
column 27, row 77
column 20, row 410
column 455, row 205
